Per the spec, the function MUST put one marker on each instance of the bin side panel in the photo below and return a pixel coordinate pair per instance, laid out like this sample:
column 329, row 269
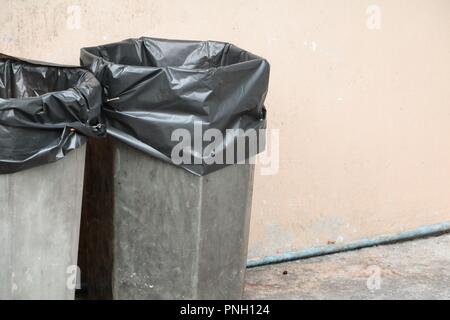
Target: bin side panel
column 42, row 220
column 156, row 219
column 225, row 226
column 6, row 218
column 179, row 236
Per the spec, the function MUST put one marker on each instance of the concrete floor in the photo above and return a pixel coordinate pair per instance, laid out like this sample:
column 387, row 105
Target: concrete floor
column 417, row 269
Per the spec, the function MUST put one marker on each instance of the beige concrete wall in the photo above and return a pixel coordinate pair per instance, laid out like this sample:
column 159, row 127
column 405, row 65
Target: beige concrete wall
column 362, row 104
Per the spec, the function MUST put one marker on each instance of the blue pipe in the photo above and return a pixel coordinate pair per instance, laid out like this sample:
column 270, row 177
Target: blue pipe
column 359, row 244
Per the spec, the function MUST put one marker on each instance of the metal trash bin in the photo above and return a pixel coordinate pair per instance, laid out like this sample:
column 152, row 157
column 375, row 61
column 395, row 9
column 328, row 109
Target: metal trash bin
column 45, row 113
column 175, row 230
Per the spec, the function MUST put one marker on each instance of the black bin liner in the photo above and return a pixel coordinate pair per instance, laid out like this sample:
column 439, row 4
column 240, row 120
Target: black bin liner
column 155, row 86
column 45, row 112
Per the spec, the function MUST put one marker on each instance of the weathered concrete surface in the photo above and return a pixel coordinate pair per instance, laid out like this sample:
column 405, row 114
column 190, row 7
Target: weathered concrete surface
column 175, row 235
column 411, row 270
column 40, row 212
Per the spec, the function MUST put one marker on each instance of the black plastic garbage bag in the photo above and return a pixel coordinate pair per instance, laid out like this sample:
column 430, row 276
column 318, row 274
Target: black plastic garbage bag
column 152, row 87
column 45, row 112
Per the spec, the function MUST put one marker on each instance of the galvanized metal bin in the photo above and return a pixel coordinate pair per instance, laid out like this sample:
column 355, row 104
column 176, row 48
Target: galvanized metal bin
column 170, row 234
column 46, row 113
column 166, row 232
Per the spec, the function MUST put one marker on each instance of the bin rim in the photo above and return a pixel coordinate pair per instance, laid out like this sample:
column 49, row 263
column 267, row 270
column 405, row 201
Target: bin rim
column 90, row 79
column 64, row 109
column 255, row 58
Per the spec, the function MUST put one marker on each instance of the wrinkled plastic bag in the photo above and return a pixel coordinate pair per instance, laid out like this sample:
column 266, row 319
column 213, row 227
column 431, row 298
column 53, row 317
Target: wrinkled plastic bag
column 45, row 112
column 152, row 87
